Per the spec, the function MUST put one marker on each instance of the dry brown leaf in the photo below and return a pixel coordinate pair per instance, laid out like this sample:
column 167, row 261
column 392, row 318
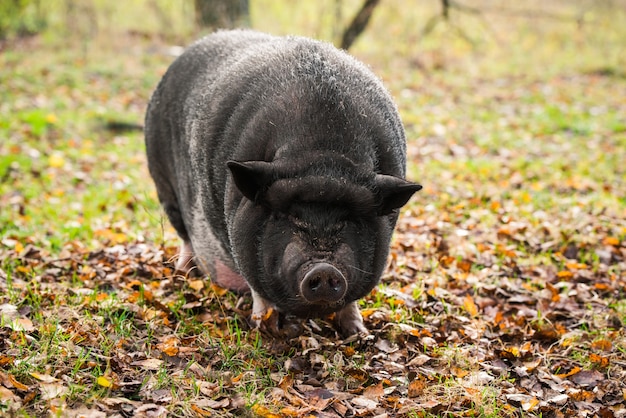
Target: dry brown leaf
column 599, row 360
column 416, row 388
column 52, row 390
column 7, row 396
column 148, row 364
column 201, row 412
column 604, row 345
column 587, row 377
column 169, row 345
column 196, row 285
column 374, row 392
column 17, row 385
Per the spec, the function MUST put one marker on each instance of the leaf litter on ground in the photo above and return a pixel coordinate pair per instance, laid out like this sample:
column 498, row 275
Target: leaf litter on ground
column 504, row 295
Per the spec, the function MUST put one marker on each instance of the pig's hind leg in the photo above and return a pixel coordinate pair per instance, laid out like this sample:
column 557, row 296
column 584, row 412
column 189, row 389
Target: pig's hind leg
column 185, row 262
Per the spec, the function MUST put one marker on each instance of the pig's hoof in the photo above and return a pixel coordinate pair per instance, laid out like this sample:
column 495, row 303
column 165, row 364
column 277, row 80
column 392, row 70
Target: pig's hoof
column 185, row 262
column 264, row 316
column 349, row 321
column 276, row 324
column 267, row 319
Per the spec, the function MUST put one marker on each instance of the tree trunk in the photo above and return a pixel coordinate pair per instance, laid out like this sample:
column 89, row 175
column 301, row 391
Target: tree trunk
column 222, row 13
column 359, row 23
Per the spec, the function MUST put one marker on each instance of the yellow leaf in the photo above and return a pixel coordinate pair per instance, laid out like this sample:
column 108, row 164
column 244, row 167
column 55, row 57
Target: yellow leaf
column 200, row 411
column 366, row 313
column 570, row 373
column 218, row 290
column 43, row 377
column 348, row 351
column 565, row 274
column 470, row 306
column 169, row 346
column 104, row 381
column 4, row 360
column 611, row 241
column 56, row 160
column 196, row 285
column 464, row 265
column 263, row 412
column 458, row 372
column 576, row 266
column 51, row 118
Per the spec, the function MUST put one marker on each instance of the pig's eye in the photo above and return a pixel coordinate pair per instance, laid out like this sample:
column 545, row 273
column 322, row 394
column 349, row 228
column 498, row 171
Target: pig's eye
column 299, row 223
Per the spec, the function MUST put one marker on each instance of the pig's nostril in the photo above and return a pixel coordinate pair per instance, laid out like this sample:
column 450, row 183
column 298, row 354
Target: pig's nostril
column 323, row 283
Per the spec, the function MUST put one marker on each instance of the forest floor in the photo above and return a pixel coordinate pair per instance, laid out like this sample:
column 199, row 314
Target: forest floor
column 506, row 289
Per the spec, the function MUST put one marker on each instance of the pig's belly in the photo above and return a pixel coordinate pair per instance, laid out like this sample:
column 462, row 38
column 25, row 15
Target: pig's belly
column 228, row 279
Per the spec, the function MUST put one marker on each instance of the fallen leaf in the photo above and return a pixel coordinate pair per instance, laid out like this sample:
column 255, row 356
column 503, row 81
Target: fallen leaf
column 364, row 402
column 52, row 390
column 148, row 364
column 604, row 345
column 565, row 274
column 17, row 385
column 416, row 388
column 587, row 378
column 7, row 396
column 470, row 306
column 613, row 241
column 374, row 392
column 104, row 381
column 196, row 285
column 43, row 377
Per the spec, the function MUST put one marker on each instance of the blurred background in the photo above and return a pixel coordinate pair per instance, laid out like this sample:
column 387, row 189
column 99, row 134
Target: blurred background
column 502, row 101
column 429, row 35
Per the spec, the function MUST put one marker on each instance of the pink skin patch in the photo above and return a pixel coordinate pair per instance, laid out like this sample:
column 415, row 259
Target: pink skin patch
column 228, row 279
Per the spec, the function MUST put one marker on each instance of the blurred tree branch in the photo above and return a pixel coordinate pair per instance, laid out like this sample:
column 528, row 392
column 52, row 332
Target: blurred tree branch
column 358, row 24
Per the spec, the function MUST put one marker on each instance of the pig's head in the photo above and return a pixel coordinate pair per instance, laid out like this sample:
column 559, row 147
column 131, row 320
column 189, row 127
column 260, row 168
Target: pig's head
column 312, row 240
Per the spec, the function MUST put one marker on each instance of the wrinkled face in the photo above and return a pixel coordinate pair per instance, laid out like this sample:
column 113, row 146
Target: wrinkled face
column 317, row 258
column 311, row 244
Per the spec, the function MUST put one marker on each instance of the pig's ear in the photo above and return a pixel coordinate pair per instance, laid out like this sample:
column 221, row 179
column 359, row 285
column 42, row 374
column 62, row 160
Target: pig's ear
column 251, row 178
column 393, row 192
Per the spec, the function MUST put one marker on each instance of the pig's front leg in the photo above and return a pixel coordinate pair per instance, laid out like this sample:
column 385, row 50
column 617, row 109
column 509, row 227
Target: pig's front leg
column 349, row 320
column 261, row 309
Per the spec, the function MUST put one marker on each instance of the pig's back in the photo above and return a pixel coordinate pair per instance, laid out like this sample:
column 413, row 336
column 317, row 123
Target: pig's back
column 242, row 95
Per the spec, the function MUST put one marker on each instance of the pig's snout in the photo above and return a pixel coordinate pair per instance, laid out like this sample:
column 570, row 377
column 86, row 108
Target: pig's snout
column 323, row 284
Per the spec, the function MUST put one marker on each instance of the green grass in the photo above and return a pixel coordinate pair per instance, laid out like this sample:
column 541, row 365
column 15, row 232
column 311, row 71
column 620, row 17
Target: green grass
column 515, row 128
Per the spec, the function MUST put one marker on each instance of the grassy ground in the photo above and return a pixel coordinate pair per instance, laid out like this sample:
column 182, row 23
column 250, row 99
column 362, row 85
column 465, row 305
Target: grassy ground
column 505, row 292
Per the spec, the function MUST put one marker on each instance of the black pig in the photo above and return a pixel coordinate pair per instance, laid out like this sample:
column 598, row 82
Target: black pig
column 280, row 162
